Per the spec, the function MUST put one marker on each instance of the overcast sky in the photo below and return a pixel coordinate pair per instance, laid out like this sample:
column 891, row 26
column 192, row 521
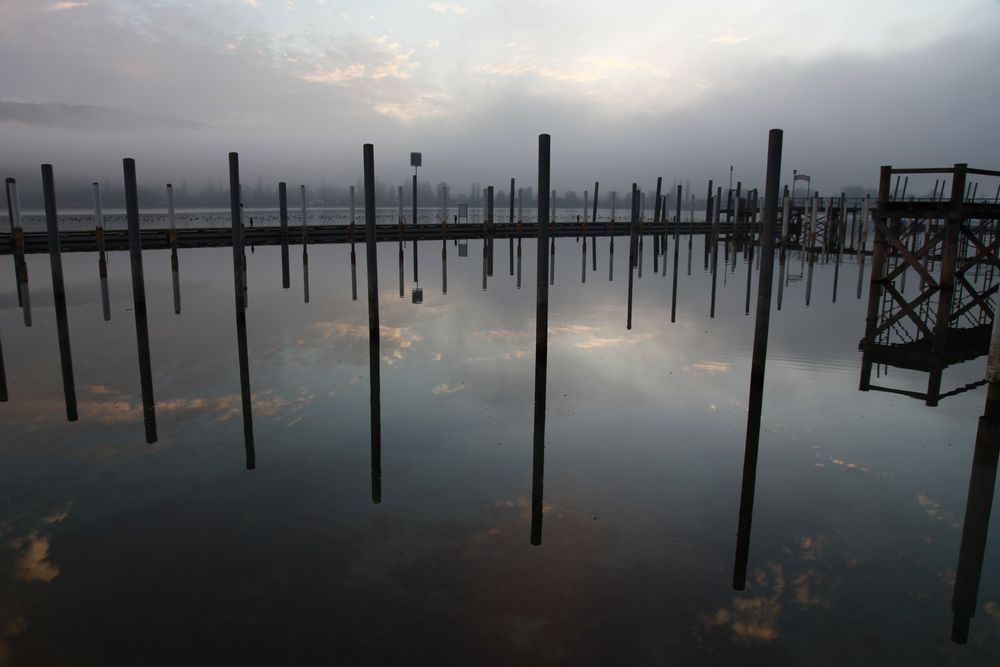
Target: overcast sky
column 628, row 90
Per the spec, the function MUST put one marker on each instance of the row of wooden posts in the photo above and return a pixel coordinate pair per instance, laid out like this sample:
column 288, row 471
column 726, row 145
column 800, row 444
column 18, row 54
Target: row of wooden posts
column 742, row 227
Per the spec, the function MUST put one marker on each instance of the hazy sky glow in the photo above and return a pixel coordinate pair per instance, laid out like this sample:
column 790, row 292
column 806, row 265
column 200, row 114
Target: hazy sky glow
column 628, row 90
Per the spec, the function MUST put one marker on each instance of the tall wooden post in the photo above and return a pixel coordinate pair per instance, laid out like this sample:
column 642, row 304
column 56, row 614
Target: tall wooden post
column 239, row 289
column 949, row 259
column 59, row 291
column 878, row 271
column 10, row 219
column 593, row 236
column 17, row 237
column 759, row 360
column 510, row 220
column 373, row 324
column 139, row 299
column 541, row 341
column 174, row 262
column 102, row 258
column 283, row 230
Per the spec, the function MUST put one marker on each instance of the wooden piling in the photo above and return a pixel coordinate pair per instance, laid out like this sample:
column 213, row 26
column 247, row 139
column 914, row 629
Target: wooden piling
column 511, row 221
column 305, row 247
column 491, row 233
column 664, row 238
column 708, row 221
column 634, row 222
column 813, row 219
column 716, row 201
column 839, row 238
column 949, row 258
column 20, row 262
column 750, row 258
column 673, row 289
column 59, row 291
column 239, row 288
column 373, row 324
column 416, row 271
column 286, row 279
column 633, row 242
column 782, row 256
column 593, row 237
column 174, row 262
column 541, row 342
column 10, row 219
column 690, row 233
column 759, row 360
column 659, row 215
column 102, row 258
column 863, row 234
column 139, row 299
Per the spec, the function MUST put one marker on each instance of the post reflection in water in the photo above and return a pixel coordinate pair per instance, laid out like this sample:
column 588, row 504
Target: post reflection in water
column 611, row 259
column 633, row 248
column 758, row 361
column 519, row 262
column 444, row 267
column 541, row 343
column 982, row 483
column 241, row 315
column 552, row 262
column 486, row 244
column 3, row 374
column 373, row 325
column 354, row 274
column 401, row 291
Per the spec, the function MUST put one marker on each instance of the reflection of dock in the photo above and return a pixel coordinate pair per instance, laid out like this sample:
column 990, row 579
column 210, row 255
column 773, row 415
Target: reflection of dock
column 947, row 319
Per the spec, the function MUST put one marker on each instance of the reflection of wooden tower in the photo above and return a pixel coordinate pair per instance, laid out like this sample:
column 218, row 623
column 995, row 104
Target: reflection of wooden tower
column 949, row 318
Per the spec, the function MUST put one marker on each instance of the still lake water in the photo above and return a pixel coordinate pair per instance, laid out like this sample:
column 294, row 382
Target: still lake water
column 119, row 552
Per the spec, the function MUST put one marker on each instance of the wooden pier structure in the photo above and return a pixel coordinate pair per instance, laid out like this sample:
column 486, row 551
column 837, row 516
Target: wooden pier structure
column 951, row 247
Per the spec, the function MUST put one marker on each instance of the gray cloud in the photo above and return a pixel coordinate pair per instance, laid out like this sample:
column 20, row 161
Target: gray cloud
column 77, row 117
column 298, row 105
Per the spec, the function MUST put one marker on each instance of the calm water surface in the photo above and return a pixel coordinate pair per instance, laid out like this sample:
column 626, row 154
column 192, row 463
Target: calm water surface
column 120, row 552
